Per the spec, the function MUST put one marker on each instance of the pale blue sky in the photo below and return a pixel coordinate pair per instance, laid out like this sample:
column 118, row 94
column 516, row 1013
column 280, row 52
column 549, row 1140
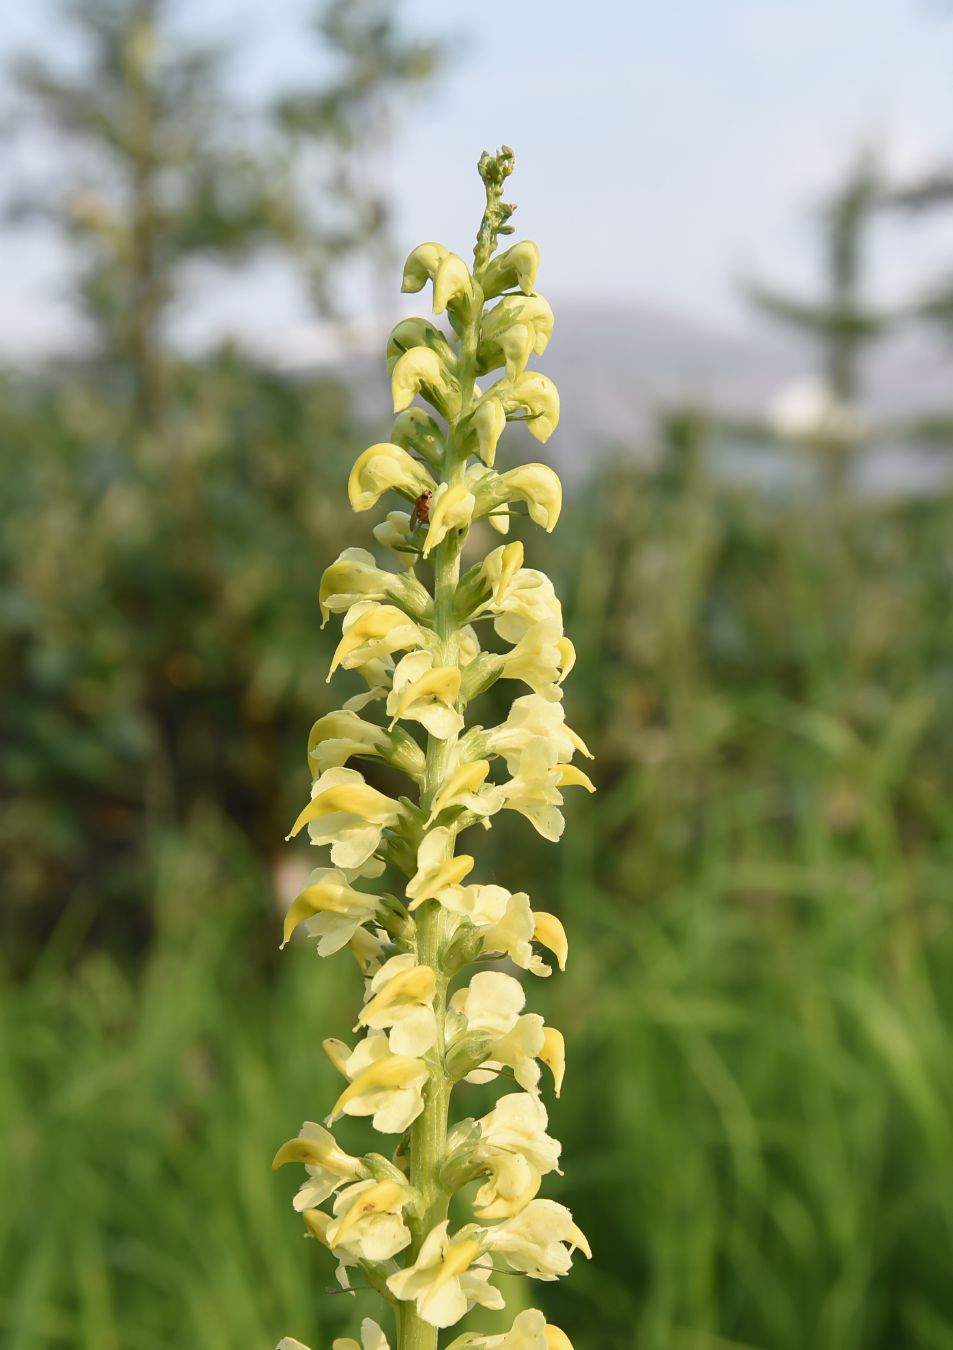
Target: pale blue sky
column 662, row 148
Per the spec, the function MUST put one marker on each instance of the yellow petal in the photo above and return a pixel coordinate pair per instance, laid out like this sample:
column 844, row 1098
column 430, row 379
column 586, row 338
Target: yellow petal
column 317, row 1153
column 466, row 779
column 556, row 1338
column 578, row 1239
column 567, row 654
column 357, row 799
column 421, row 266
column 451, row 282
column 394, row 1072
column 553, row 1054
column 450, row 873
column 419, row 983
column 507, row 1209
column 337, row 1052
column 375, row 623
column 323, row 898
column 317, row 1222
column 442, row 684
column 379, row 1199
column 570, row 776
column 450, row 511
column 550, row 932
column 457, row 1258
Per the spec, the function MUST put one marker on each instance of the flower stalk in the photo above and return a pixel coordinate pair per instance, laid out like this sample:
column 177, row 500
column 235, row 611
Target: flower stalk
column 419, row 1042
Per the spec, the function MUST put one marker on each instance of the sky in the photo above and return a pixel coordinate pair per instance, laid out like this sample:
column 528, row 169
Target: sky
column 665, row 149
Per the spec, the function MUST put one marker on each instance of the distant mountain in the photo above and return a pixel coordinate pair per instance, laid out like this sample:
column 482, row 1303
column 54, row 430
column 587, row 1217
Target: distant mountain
column 615, row 367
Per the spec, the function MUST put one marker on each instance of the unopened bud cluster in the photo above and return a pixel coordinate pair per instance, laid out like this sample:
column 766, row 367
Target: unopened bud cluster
column 420, row 655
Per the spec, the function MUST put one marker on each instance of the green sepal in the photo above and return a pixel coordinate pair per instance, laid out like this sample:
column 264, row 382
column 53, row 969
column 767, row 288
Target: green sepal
column 467, row 1055
column 483, row 671
column 405, row 754
column 412, row 597
column 472, row 589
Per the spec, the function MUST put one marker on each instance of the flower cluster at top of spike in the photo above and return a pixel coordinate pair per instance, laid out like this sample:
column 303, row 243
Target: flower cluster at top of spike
column 418, row 650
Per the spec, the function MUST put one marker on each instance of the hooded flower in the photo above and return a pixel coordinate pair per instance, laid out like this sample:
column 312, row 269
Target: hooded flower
column 516, row 266
column 392, row 533
column 372, row 631
column 382, row 1084
column 465, row 788
column 534, row 790
column 538, row 486
column 386, row 466
column 330, row 907
column 401, row 997
column 436, row 870
column 542, row 659
column 367, row 1221
column 423, row 694
column 338, row 736
column 520, row 596
column 347, row 814
column 421, row 371
column 327, row 1165
column 444, row 1281
column 532, row 1241
column 512, row 934
column 529, row 717
column 353, row 578
column 490, row 1007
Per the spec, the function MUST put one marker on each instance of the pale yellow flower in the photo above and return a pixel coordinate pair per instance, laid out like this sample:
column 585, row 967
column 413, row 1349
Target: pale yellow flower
column 520, row 596
column 367, row 1221
column 400, row 997
column 533, row 395
column 444, row 1282
column 354, row 577
column 392, row 532
column 490, row 1006
column 465, row 788
column 422, row 694
column 516, row 266
column 488, row 421
column 539, row 487
column 452, row 285
column 331, row 909
column 386, row 1086
column 327, row 1165
column 421, row 371
column 347, row 814
column 529, row 717
column 339, row 735
column 415, row 332
column 382, row 467
column 532, row 1241
column 421, row 266
column 539, row 659
column 451, row 509
column 534, row 790
column 530, row 1331
column 436, row 869
column 513, row 330
column 512, row 934
column 372, row 631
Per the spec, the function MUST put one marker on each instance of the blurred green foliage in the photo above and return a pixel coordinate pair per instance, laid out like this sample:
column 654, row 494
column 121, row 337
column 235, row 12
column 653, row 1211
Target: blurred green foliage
column 758, row 1119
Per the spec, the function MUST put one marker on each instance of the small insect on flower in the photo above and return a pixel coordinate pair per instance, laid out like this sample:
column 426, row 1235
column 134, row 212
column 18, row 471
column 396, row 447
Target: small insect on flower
column 421, row 512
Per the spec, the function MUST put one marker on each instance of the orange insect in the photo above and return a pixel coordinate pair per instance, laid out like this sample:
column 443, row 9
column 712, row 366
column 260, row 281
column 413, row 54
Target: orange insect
column 421, row 512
